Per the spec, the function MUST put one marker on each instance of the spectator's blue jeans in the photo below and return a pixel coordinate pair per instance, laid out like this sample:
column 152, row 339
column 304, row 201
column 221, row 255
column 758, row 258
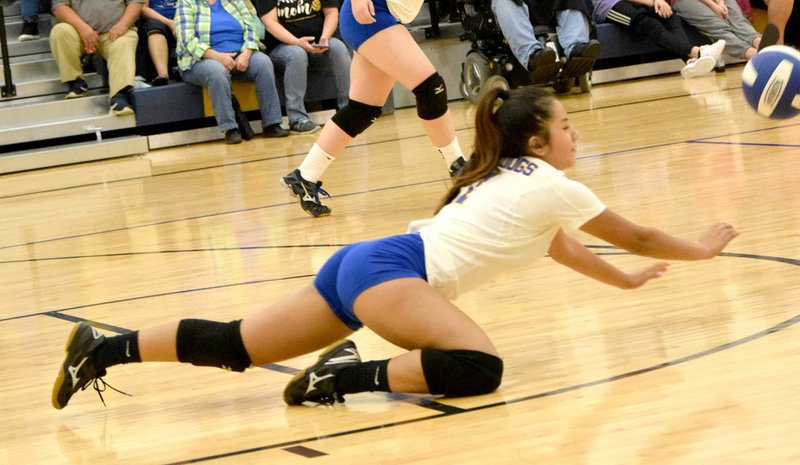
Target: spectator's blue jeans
column 294, row 62
column 29, row 10
column 573, row 28
column 213, row 75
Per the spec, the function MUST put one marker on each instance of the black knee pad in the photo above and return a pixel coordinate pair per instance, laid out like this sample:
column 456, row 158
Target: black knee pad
column 431, row 97
column 212, row 344
column 356, row 117
column 457, row 373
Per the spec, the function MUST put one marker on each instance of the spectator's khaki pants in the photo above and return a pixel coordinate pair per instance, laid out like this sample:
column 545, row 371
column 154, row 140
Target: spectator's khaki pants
column 67, row 48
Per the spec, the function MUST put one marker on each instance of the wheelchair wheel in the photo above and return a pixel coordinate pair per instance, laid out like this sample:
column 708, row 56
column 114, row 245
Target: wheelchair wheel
column 494, row 82
column 474, row 75
column 585, row 81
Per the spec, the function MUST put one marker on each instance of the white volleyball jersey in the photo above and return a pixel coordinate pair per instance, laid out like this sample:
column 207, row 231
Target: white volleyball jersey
column 404, row 10
column 502, row 222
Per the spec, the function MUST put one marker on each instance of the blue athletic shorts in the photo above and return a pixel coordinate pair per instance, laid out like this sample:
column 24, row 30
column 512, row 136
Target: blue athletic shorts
column 357, row 267
column 355, row 33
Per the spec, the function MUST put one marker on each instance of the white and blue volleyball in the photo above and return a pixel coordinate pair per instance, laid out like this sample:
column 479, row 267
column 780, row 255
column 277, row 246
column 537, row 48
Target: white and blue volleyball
column 771, row 82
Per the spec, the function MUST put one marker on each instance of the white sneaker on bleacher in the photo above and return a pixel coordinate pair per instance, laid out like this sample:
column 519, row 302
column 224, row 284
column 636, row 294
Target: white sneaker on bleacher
column 714, row 51
column 698, row 66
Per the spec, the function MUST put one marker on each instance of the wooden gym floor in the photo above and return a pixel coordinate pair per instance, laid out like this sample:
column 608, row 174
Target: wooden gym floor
column 699, row 367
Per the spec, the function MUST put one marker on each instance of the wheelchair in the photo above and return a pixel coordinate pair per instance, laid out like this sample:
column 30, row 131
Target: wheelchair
column 490, row 63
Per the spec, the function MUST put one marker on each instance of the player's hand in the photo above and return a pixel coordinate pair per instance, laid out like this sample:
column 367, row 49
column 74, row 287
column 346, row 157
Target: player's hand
column 363, row 11
column 716, row 237
column 638, row 278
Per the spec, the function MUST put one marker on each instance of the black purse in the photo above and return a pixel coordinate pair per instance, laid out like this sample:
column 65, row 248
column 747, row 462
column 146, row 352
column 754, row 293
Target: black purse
column 241, row 120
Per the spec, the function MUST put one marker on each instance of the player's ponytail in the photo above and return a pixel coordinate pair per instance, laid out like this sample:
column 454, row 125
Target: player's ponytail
column 504, row 122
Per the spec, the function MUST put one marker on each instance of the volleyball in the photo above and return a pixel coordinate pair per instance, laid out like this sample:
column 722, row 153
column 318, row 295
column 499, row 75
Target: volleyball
column 771, row 82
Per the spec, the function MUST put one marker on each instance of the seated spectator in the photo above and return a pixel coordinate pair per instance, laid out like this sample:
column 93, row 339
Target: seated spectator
column 159, row 27
column 785, row 15
column 299, row 34
column 516, row 19
column 97, row 26
column 721, row 19
column 654, row 19
column 29, row 10
column 216, row 42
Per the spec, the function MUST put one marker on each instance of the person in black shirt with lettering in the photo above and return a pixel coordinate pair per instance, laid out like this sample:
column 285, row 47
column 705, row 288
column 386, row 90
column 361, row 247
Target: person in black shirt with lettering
column 299, row 35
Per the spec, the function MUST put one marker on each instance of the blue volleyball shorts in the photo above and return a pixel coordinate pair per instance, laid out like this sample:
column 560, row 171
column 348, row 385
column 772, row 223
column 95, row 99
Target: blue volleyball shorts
column 355, row 33
column 360, row 266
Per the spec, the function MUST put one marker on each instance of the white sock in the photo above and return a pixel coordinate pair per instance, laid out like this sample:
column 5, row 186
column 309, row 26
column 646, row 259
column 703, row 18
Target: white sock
column 451, row 152
column 315, row 163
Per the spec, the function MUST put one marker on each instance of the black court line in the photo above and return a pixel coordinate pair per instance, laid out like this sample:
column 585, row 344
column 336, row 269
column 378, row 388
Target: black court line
column 60, row 311
column 305, row 452
column 352, row 194
column 352, row 145
column 430, row 403
column 771, row 330
column 208, row 215
column 171, row 251
column 751, row 144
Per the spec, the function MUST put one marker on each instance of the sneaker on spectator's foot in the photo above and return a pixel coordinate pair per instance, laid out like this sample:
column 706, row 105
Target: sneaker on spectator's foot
column 308, row 193
column 769, row 37
column 159, row 81
column 120, row 105
column 457, row 166
column 303, row 126
column 30, row 31
column 543, row 66
column 274, row 130
column 698, row 66
column 233, row 136
column 78, row 370
column 581, row 59
column 317, row 383
column 714, row 51
column 77, row 88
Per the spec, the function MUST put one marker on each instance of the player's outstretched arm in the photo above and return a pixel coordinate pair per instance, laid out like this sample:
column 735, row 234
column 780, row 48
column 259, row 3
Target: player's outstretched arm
column 654, row 243
column 569, row 252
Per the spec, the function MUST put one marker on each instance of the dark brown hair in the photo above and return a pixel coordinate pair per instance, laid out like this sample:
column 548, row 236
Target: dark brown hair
column 504, row 122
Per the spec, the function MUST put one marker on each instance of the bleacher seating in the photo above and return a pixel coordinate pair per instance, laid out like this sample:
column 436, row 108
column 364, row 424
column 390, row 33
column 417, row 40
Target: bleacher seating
column 38, row 121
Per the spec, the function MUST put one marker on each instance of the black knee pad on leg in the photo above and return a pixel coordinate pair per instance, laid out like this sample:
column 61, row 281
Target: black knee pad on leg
column 457, row 373
column 355, row 117
column 431, row 97
column 212, row 344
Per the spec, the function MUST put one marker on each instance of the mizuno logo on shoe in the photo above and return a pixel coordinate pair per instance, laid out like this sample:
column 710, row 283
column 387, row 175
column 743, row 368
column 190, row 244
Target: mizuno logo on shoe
column 95, row 333
column 351, row 357
column 439, row 89
column 73, row 371
column 313, row 379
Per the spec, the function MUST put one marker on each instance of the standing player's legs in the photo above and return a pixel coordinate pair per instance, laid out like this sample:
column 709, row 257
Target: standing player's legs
column 372, row 75
column 409, row 65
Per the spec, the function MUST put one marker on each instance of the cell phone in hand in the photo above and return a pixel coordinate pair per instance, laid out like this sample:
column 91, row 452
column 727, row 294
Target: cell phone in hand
column 319, row 45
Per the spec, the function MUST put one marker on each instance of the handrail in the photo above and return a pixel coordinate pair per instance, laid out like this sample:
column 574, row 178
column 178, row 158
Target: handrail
column 8, row 89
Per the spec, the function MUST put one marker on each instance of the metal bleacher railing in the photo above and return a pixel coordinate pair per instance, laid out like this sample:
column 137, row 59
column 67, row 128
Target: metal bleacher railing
column 38, row 127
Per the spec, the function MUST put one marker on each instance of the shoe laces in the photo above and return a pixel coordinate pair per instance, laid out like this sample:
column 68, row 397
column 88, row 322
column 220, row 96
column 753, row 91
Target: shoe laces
column 100, row 385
